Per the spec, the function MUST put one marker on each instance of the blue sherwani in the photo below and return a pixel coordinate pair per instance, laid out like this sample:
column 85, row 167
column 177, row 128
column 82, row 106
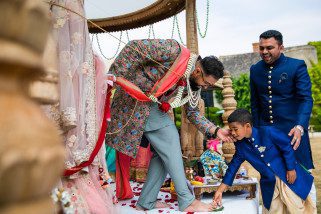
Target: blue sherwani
column 281, row 97
column 270, row 152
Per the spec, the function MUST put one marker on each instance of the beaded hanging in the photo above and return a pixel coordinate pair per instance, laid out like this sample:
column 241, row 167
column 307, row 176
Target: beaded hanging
column 192, row 97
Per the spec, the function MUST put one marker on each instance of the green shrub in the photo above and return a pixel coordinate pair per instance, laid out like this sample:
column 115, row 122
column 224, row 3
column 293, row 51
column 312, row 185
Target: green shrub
column 241, row 86
column 317, row 45
column 213, row 116
column 315, row 75
column 210, row 113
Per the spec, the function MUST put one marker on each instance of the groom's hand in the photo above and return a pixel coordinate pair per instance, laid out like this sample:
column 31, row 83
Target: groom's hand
column 225, row 136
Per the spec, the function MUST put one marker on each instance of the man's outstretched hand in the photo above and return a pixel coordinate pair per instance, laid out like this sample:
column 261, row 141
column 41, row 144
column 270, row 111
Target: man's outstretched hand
column 225, row 136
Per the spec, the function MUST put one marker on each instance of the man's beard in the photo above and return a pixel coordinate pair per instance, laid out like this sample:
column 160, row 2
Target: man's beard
column 193, row 84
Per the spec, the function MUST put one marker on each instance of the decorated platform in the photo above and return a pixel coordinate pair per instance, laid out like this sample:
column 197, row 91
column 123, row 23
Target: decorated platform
column 233, row 202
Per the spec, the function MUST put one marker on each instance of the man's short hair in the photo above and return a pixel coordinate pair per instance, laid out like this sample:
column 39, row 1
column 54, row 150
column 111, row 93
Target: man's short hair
column 272, row 34
column 240, row 115
column 212, row 66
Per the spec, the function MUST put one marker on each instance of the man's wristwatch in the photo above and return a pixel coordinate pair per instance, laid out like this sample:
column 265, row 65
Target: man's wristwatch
column 300, row 128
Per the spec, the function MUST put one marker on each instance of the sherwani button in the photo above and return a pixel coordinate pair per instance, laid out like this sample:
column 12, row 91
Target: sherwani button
column 270, row 101
column 270, row 107
column 269, row 164
column 270, row 92
column 271, row 112
column 269, row 82
column 256, row 146
column 270, row 72
column 262, row 156
column 270, row 96
column 271, row 121
column 270, row 77
column 269, row 87
column 271, row 117
column 271, row 67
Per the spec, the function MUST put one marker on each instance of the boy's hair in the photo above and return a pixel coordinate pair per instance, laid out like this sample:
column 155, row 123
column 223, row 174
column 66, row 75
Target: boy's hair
column 272, row 33
column 240, row 115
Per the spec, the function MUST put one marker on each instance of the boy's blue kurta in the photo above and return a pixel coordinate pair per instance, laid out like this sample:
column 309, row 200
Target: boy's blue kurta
column 281, row 97
column 270, row 152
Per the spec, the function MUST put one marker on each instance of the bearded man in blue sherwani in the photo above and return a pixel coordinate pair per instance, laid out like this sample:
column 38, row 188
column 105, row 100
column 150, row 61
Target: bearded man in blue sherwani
column 281, row 96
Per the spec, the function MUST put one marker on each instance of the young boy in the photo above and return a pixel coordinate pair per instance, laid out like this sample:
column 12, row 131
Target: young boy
column 285, row 185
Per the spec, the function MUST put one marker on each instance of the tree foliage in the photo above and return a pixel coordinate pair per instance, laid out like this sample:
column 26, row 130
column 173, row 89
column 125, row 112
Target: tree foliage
column 317, row 46
column 241, row 86
column 315, row 75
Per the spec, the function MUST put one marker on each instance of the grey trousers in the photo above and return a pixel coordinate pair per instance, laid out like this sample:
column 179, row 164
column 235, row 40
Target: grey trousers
column 167, row 158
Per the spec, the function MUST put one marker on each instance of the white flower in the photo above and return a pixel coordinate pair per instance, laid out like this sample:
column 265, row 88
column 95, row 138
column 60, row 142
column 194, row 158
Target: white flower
column 72, row 138
column 54, row 194
column 60, row 22
column 77, row 38
column 65, row 197
column 85, row 68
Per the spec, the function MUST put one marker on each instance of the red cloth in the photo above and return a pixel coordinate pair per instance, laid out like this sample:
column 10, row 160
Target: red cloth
column 141, row 163
column 123, row 189
column 123, row 165
column 164, row 84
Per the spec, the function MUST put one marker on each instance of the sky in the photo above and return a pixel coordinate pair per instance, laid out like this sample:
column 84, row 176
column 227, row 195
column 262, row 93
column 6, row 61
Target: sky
column 233, row 25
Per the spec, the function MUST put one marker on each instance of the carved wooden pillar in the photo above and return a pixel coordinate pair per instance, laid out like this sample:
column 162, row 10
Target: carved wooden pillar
column 191, row 138
column 191, row 30
column 45, row 89
column 229, row 105
column 31, row 151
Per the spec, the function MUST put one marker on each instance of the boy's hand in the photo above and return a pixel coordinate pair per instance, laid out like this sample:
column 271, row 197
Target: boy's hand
column 217, row 200
column 291, row 176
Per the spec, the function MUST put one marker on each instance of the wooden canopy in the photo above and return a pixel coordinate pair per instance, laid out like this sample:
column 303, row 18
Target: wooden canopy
column 158, row 11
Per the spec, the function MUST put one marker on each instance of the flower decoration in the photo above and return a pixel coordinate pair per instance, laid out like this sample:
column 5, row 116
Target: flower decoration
column 262, row 148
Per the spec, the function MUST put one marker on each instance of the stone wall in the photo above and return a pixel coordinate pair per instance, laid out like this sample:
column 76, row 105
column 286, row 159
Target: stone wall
column 241, row 63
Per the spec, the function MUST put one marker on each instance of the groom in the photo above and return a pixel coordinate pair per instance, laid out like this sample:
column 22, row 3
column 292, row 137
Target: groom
column 147, row 66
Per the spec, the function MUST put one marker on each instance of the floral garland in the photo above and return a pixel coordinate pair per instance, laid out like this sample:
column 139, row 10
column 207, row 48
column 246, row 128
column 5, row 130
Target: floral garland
column 63, row 197
column 192, row 97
